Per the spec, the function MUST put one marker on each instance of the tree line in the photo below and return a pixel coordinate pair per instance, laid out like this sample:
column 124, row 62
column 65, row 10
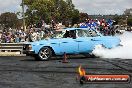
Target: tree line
column 58, row 10
column 47, row 10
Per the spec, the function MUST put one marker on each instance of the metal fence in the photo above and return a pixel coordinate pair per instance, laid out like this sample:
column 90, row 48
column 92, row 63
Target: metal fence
column 11, row 49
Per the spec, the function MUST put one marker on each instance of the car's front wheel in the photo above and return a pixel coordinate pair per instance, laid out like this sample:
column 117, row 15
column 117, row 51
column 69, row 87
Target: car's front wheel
column 45, row 53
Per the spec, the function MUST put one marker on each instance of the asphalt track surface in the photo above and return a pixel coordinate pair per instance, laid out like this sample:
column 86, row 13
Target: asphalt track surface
column 24, row 72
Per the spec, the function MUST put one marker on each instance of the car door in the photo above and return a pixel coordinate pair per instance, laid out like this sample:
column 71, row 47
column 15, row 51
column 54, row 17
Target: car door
column 86, row 41
column 85, row 45
column 69, row 46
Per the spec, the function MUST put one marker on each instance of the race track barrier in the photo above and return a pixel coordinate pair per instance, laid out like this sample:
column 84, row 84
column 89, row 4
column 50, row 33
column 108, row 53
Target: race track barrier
column 11, row 49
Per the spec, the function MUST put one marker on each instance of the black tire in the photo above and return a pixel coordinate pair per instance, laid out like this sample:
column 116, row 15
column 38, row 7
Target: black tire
column 44, row 54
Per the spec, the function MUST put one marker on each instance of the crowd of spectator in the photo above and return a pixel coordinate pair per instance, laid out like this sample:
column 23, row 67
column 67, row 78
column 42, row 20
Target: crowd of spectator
column 104, row 26
column 18, row 35
column 36, row 34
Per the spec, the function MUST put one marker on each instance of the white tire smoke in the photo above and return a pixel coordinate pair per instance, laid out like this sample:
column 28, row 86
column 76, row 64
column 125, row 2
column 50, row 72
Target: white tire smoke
column 123, row 52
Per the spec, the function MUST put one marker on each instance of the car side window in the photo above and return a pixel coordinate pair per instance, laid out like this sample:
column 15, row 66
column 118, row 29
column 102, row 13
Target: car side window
column 80, row 33
column 83, row 33
column 93, row 33
column 70, row 34
column 86, row 33
column 67, row 34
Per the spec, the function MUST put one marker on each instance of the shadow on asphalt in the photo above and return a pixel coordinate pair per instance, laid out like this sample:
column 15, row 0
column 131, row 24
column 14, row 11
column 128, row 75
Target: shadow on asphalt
column 61, row 58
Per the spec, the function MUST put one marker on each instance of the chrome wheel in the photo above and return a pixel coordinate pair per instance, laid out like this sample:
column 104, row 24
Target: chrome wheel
column 45, row 53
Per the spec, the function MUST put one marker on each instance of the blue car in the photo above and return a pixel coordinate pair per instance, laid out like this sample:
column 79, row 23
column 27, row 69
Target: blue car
column 70, row 41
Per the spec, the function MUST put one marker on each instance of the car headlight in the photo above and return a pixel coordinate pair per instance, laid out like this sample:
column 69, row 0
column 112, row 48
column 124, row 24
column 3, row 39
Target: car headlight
column 29, row 47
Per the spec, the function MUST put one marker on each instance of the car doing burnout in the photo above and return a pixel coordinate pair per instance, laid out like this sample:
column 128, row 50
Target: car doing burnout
column 70, row 41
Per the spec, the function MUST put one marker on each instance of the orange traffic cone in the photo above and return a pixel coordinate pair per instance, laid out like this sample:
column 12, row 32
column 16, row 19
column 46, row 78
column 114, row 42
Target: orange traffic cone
column 64, row 58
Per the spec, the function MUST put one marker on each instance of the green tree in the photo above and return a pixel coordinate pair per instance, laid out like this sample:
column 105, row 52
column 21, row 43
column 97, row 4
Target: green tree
column 83, row 17
column 58, row 10
column 9, row 19
column 128, row 12
column 75, row 17
column 117, row 19
column 129, row 21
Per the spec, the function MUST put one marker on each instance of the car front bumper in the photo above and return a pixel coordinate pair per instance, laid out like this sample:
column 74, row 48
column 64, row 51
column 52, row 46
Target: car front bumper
column 29, row 52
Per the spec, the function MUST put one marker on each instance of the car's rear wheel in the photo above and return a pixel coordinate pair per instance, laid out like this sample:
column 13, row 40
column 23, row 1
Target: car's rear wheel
column 45, row 54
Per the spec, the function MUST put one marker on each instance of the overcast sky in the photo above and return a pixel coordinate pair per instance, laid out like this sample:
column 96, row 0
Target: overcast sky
column 89, row 6
column 103, row 6
column 10, row 5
